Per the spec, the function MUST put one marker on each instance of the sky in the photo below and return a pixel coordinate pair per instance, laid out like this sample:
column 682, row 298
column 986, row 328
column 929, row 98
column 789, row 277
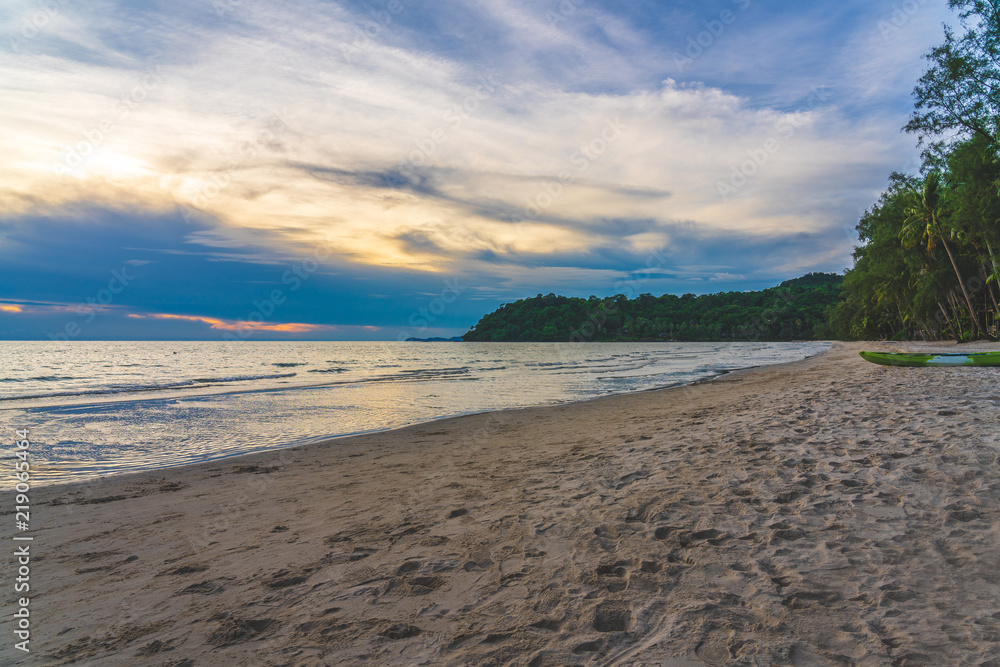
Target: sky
column 375, row 170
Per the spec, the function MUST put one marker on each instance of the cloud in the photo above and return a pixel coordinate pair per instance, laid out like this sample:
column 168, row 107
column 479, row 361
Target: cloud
column 245, row 328
column 210, row 148
column 64, row 270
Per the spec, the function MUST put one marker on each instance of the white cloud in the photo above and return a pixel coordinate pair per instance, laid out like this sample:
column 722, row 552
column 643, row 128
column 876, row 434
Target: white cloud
column 488, row 141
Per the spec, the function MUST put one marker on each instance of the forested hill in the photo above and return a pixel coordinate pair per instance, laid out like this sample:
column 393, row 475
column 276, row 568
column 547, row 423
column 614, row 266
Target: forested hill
column 791, row 311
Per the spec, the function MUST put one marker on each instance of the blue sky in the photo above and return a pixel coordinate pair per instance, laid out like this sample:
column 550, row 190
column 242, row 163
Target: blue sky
column 370, row 170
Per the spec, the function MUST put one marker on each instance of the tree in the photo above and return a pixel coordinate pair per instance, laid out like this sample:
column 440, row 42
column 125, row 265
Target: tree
column 924, row 221
column 972, row 178
column 792, row 310
column 960, row 93
column 898, row 286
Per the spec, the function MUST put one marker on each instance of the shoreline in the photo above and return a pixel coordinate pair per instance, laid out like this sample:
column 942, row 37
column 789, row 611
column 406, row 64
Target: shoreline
column 318, row 440
column 820, row 510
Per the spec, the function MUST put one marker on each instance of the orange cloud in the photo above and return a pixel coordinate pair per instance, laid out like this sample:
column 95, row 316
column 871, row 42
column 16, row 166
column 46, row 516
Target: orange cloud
column 236, row 325
column 10, row 309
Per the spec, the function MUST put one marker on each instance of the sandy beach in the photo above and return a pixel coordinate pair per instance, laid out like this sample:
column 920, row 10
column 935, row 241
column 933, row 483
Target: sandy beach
column 825, row 512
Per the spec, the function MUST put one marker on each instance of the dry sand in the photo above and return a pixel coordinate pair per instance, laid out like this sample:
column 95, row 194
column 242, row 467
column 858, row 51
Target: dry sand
column 823, row 512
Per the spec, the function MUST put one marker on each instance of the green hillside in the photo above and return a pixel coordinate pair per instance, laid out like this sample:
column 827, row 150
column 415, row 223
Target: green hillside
column 790, row 311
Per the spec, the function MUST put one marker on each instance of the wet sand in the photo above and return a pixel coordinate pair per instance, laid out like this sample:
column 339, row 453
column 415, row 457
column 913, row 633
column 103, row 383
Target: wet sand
column 828, row 511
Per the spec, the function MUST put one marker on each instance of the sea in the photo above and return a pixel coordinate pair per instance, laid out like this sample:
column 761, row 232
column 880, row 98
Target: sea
column 94, row 409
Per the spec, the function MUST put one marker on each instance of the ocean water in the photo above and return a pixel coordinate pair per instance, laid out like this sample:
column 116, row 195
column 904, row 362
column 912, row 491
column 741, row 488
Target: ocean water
column 98, row 409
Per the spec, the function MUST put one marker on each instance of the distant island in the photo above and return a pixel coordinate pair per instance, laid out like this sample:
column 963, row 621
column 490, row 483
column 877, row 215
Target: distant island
column 453, row 339
column 796, row 309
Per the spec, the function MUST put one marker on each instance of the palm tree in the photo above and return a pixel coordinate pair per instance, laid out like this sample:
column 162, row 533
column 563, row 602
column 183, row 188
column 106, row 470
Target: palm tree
column 924, row 221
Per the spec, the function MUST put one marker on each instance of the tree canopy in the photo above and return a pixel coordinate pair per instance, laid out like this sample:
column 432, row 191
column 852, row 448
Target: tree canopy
column 959, row 95
column 791, row 311
column 927, row 266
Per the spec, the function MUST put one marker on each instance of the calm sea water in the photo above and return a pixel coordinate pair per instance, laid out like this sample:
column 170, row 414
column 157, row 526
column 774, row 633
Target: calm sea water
column 106, row 408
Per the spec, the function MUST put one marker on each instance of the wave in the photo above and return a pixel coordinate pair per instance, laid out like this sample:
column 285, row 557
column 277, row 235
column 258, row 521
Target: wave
column 421, row 373
column 410, row 375
column 40, row 378
column 136, row 388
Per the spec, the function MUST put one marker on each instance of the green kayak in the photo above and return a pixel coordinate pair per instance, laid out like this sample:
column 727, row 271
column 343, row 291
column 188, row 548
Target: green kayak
column 940, row 359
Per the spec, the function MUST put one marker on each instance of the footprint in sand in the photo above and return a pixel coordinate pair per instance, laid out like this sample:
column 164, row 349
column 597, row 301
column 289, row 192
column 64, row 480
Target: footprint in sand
column 613, row 570
column 713, row 651
column 413, row 586
column 239, row 630
column 286, row 578
column 663, row 532
column 203, row 588
column 650, row 567
column 963, row 515
column 805, row 600
column 552, row 625
column 614, row 576
column 589, row 647
column 409, row 566
column 186, row 569
column 613, row 617
column 360, row 553
column 400, row 631
column 154, row 647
